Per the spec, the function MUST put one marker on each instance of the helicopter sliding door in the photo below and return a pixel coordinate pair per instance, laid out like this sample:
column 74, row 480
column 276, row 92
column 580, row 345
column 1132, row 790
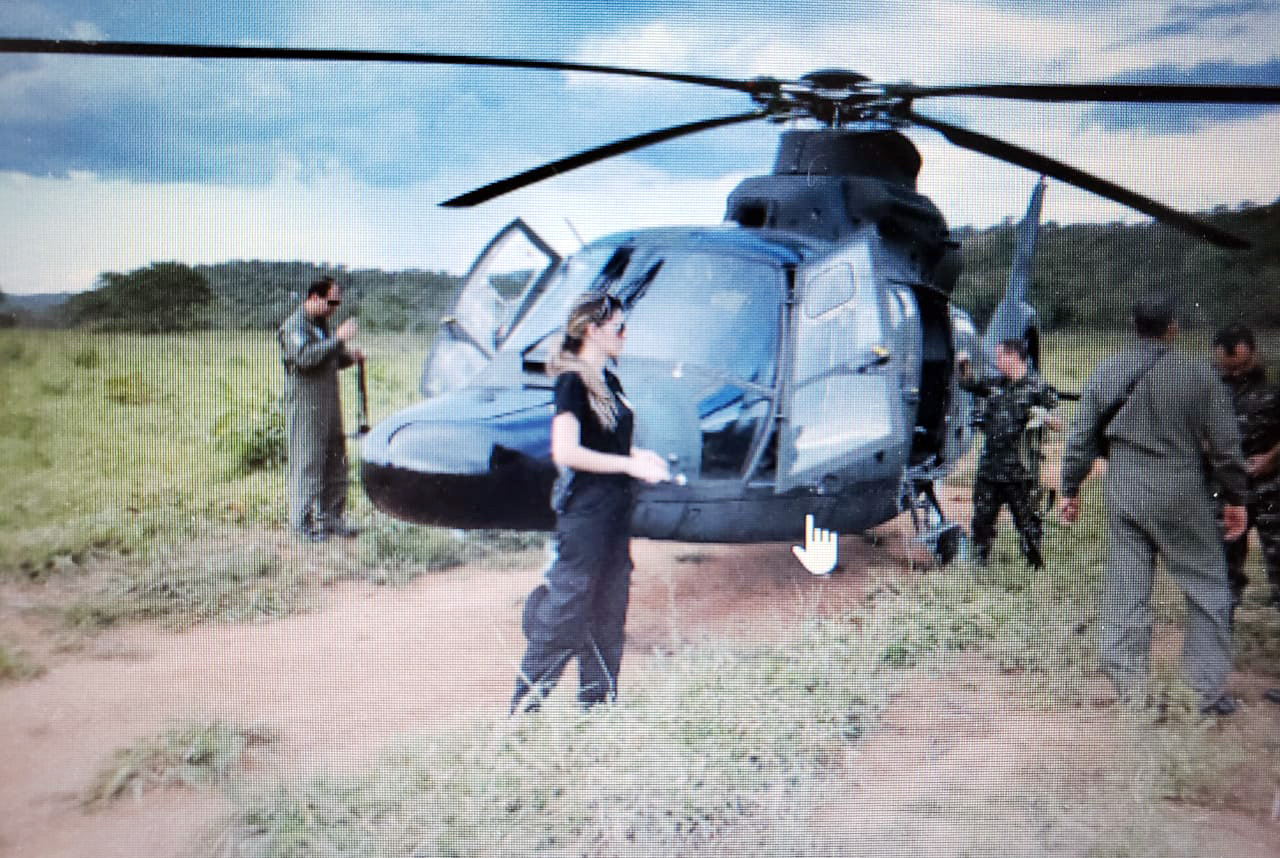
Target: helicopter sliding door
column 841, row 422
column 505, row 280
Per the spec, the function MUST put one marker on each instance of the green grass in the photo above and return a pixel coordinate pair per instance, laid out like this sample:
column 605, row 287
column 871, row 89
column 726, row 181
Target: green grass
column 196, row 586
column 15, row 665
column 722, row 750
column 194, row 756
column 118, row 444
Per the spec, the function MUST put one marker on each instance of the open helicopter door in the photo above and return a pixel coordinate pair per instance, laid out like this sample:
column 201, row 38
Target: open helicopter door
column 841, row 423
column 504, row 281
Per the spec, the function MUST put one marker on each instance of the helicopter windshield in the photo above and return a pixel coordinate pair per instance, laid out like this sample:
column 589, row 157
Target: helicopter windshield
column 704, row 311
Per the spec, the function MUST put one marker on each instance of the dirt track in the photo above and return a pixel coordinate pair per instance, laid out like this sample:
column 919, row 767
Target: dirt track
column 339, row 683
column 373, row 663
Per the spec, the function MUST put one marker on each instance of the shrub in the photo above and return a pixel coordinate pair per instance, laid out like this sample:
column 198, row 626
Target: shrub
column 14, row 664
column 128, row 389
column 257, row 443
column 86, row 358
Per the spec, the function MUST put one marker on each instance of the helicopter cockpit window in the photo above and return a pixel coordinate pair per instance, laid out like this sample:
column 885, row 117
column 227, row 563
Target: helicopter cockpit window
column 702, row 329
column 541, row 323
column 711, row 311
column 711, row 322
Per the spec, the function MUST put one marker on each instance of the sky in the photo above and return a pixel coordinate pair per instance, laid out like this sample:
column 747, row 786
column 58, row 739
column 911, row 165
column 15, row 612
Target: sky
column 111, row 164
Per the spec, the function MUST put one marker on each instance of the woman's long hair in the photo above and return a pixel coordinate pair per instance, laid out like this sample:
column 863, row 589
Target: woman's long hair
column 593, row 308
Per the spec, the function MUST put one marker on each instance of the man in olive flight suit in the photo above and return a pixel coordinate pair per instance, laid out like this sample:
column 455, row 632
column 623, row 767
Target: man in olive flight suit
column 1015, row 400
column 313, row 412
column 1257, row 408
column 1172, row 437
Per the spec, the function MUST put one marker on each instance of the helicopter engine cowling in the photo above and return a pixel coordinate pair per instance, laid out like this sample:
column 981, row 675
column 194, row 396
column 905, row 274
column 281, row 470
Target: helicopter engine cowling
column 831, row 183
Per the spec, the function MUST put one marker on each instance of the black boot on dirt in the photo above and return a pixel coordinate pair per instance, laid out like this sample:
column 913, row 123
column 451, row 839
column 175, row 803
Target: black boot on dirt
column 1223, row 706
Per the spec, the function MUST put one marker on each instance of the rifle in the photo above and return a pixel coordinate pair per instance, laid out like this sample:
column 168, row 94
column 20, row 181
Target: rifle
column 363, row 427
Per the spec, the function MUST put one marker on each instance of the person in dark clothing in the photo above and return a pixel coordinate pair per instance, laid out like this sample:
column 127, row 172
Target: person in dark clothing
column 580, row 609
column 1256, row 400
column 317, row 452
column 1164, row 423
column 1016, row 400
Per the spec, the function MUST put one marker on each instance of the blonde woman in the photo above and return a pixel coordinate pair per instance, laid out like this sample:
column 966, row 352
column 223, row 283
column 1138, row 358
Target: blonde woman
column 580, row 610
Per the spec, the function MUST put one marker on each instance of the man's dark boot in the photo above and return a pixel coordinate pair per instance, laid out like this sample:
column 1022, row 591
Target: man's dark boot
column 1224, row 705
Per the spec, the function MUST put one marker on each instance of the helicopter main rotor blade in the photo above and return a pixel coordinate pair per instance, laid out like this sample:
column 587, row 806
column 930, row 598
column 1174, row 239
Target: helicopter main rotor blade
column 1137, row 93
column 1012, row 154
column 174, row 50
column 590, row 156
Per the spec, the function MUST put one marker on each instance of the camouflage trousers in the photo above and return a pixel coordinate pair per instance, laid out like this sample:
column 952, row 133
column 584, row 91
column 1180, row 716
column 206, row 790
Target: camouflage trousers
column 988, row 496
column 1264, row 517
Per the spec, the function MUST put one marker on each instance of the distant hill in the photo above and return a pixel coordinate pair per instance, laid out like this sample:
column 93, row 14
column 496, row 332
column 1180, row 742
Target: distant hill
column 1086, row 275
column 35, row 303
column 41, row 308
column 259, row 295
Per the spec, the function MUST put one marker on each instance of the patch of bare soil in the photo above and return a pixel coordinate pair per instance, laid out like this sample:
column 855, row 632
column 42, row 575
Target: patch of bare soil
column 340, row 683
column 374, row 663
column 962, row 764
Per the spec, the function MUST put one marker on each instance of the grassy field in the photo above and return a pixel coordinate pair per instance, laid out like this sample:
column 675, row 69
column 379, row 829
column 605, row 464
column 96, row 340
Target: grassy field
column 125, row 453
column 114, row 444
column 727, row 750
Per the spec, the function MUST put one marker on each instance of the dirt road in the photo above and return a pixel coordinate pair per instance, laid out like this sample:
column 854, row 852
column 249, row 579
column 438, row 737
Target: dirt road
column 340, row 683
column 373, row 663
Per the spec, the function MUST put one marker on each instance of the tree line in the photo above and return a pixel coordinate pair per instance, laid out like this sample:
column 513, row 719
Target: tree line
column 1085, row 276
column 251, row 295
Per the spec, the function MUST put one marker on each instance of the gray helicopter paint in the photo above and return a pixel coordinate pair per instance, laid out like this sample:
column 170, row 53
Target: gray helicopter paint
column 844, row 425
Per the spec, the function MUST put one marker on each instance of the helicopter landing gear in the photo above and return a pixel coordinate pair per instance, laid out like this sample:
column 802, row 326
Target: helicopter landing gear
column 940, row 539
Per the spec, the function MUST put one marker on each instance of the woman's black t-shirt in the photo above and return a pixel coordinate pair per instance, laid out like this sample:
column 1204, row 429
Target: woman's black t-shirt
column 571, row 397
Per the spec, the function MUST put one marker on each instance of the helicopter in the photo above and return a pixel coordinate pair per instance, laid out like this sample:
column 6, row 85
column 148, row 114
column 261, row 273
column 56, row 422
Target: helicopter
column 795, row 361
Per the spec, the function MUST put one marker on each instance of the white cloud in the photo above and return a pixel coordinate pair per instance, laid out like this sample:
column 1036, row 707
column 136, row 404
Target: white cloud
column 1192, row 173
column 116, row 225
column 61, row 233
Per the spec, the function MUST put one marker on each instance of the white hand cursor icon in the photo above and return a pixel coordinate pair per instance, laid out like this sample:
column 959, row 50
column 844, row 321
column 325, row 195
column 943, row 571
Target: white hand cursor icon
column 819, row 552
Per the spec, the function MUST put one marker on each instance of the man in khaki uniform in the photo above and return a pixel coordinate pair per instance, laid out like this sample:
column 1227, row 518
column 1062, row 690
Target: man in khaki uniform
column 313, row 412
column 1174, row 434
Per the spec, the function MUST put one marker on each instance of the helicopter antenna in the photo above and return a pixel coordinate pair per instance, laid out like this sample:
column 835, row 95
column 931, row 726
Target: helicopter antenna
column 575, row 232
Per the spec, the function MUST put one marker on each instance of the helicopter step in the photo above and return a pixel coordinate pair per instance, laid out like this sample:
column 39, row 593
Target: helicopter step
column 942, row 539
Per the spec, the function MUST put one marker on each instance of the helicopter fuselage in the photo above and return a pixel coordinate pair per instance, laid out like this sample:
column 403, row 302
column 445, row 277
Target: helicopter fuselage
column 780, row 374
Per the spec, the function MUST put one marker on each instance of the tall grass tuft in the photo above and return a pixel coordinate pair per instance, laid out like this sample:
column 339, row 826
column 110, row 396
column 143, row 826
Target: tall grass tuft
column 179, row 592
column 15, row 666
column 257, row 440
column 196, row 755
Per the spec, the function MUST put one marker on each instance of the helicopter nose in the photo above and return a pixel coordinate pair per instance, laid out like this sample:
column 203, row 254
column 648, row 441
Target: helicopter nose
column 452, row 465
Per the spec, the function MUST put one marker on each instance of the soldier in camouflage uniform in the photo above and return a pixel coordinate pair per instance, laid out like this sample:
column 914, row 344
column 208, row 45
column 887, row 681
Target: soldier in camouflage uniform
column 1170, row 438
column 317, row 455
column 1015, row 399
column 1257, row 408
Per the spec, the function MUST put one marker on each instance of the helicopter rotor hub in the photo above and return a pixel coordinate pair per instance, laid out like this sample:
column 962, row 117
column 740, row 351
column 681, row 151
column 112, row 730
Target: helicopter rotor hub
column 833, row 97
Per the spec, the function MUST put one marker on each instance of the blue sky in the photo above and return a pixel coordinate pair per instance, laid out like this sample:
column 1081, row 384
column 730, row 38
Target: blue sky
column 110, row 163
